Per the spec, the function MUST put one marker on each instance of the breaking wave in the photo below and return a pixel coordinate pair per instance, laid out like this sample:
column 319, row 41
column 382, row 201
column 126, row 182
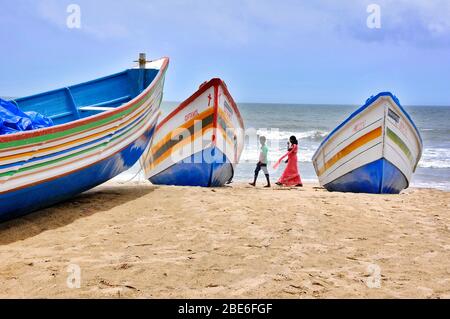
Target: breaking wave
column 275, row 134
column 435, row 158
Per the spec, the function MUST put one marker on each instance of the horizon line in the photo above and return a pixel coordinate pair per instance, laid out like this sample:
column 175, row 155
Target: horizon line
column 287, row 103
column 318, row 104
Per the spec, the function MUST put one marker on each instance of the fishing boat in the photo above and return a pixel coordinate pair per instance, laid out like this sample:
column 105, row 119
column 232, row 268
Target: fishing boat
column 199, row 143
column 375, row 150
column 101, row 128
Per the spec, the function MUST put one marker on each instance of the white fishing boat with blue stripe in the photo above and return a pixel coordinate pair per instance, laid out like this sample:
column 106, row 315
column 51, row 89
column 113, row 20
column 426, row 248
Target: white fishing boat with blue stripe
column 375, row 150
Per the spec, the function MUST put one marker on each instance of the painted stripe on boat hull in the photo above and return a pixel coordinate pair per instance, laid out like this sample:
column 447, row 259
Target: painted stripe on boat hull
column 112, row 146
column 42, row 195
column 358, row 143
column 102, row 132
column 397, row 140
column 52, row 156
column 161, row 151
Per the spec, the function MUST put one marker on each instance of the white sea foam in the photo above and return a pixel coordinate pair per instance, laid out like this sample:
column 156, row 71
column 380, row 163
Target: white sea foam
column 435, row 158
column 252, row 154
column 445, row 186
column 277, row 140
column 276, row 134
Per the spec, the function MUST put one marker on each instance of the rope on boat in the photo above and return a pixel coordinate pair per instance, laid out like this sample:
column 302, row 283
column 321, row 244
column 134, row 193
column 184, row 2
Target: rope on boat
column 126, row 182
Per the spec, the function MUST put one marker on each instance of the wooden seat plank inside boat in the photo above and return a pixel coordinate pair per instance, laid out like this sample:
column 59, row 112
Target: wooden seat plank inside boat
column 90, row 98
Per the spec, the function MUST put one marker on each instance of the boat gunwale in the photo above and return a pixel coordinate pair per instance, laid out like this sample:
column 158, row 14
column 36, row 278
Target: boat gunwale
column 233, row 103
column 69, row 87
column 89, row 119
column 368, row 103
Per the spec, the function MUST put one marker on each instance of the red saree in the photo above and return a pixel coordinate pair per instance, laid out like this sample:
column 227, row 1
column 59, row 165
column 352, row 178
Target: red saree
column 290, row 176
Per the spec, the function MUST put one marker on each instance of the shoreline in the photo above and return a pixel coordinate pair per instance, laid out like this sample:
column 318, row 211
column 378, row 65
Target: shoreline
column 137, row 240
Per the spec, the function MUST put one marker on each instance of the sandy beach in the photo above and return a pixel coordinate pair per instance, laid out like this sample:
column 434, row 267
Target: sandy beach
column 138, row 240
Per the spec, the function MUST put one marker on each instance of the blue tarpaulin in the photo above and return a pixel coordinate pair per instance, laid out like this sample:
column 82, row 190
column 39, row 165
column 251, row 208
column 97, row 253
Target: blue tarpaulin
column 13, row 120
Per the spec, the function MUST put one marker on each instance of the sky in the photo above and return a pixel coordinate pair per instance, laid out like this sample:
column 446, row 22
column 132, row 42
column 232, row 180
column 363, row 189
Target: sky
column 266, row 51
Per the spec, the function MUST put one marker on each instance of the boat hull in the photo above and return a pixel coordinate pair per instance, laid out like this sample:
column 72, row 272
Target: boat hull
column 189, row 173
column 378, row 177
column 376, row 150
column 32, row 198
column 199, row 143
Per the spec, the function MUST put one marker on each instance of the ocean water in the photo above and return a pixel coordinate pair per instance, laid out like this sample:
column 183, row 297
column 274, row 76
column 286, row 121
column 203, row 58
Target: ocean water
column 311, row 123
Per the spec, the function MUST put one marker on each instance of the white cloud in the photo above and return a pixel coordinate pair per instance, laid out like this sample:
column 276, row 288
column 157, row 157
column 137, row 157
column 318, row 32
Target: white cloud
column 412, row 22
column 234, row 23
column 96, row 20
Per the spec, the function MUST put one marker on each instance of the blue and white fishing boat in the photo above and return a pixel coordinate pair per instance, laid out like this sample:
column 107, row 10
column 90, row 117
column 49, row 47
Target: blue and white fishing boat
column 375, row 150
column 101, row 128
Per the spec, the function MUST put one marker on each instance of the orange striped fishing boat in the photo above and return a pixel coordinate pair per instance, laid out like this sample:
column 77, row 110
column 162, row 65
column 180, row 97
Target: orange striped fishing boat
column 200, row 142
column 101, row 129
column 375, row 150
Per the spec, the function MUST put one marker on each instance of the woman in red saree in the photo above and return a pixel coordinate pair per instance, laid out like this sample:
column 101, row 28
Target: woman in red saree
column 290, row 176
